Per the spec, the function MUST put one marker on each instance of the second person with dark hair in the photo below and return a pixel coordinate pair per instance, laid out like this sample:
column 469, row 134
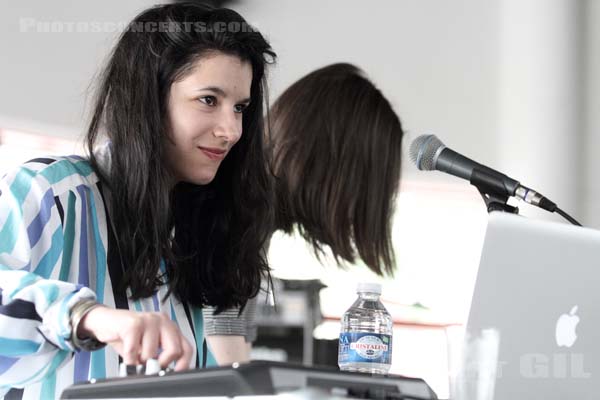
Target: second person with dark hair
column 335, row 144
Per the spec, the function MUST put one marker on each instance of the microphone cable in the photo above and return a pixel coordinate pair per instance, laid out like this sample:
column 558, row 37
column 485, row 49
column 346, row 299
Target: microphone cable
column 567, row 216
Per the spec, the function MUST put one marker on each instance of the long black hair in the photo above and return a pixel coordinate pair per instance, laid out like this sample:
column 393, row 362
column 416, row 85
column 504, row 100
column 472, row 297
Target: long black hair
column 337, row 147
column 215, row 256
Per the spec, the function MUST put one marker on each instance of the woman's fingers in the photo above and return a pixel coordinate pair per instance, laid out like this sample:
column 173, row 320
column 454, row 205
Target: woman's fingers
column 184, row 361
column 131, row 338
column 175, row 347
column 138, row 337
column 170, row 342
column 150, row 340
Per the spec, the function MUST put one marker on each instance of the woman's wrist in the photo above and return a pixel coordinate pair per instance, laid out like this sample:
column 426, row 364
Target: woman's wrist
column 82, row 338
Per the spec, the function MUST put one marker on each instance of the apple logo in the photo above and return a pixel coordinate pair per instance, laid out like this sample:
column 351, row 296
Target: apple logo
column 565, row 328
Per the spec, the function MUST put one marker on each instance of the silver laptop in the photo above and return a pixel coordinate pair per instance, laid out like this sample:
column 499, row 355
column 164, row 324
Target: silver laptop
column 538, row 286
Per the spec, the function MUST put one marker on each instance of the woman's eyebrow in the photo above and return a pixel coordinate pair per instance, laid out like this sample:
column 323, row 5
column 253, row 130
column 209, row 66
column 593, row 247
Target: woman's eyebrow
column 221, row 92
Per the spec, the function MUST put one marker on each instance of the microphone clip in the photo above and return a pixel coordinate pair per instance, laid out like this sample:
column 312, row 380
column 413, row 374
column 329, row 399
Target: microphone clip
column 493, row 191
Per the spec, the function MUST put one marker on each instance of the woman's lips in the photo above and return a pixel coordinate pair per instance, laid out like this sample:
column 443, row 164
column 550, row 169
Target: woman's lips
column 214, row 154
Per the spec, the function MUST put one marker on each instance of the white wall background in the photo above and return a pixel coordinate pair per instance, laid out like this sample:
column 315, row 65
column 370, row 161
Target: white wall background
column 591, row 95
column 44, row 77
column 540, row 113
column 436, row 61
column 514, row 84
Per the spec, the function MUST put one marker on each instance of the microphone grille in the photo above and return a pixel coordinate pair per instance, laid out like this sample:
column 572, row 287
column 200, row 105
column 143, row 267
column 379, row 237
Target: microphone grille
column 423, row 150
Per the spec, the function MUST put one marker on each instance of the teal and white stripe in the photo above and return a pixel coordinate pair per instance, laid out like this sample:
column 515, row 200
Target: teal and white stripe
column 53, row 253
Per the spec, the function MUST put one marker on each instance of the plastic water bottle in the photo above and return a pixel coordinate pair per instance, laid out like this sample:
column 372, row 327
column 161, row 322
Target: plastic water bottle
column 366, row 334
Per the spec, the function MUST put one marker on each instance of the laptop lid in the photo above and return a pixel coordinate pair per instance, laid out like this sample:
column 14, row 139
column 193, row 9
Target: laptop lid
column 538, row 286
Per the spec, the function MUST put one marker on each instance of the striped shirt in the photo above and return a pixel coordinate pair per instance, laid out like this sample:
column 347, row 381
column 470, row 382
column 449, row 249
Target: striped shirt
column 230, row 323
column 56, row 248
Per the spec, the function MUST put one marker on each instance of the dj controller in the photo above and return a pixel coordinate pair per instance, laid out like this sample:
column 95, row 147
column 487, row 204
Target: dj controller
column 256, row 378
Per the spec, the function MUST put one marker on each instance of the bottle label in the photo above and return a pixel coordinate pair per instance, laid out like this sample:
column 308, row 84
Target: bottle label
column 365, row 347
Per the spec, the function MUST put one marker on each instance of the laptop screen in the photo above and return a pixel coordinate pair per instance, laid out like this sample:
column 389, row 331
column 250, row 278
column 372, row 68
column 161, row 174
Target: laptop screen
column 538, row 288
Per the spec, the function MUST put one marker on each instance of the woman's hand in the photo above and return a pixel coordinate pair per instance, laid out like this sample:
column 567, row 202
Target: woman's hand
column 138, row 336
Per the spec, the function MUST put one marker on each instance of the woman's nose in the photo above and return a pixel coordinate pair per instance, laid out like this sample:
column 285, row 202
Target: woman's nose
column 229, row 126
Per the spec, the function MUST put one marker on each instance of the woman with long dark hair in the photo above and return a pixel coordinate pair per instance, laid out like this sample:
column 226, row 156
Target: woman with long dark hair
column 125, row 247
column 335, row 144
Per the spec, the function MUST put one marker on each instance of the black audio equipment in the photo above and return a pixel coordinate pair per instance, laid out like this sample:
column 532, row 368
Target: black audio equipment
column 253, row 378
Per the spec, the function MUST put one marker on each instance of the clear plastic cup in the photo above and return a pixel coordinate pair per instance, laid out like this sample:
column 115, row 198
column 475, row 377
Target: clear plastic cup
column 473, row 364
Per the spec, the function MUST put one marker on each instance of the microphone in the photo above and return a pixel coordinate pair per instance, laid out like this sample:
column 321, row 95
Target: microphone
column 429, row 153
